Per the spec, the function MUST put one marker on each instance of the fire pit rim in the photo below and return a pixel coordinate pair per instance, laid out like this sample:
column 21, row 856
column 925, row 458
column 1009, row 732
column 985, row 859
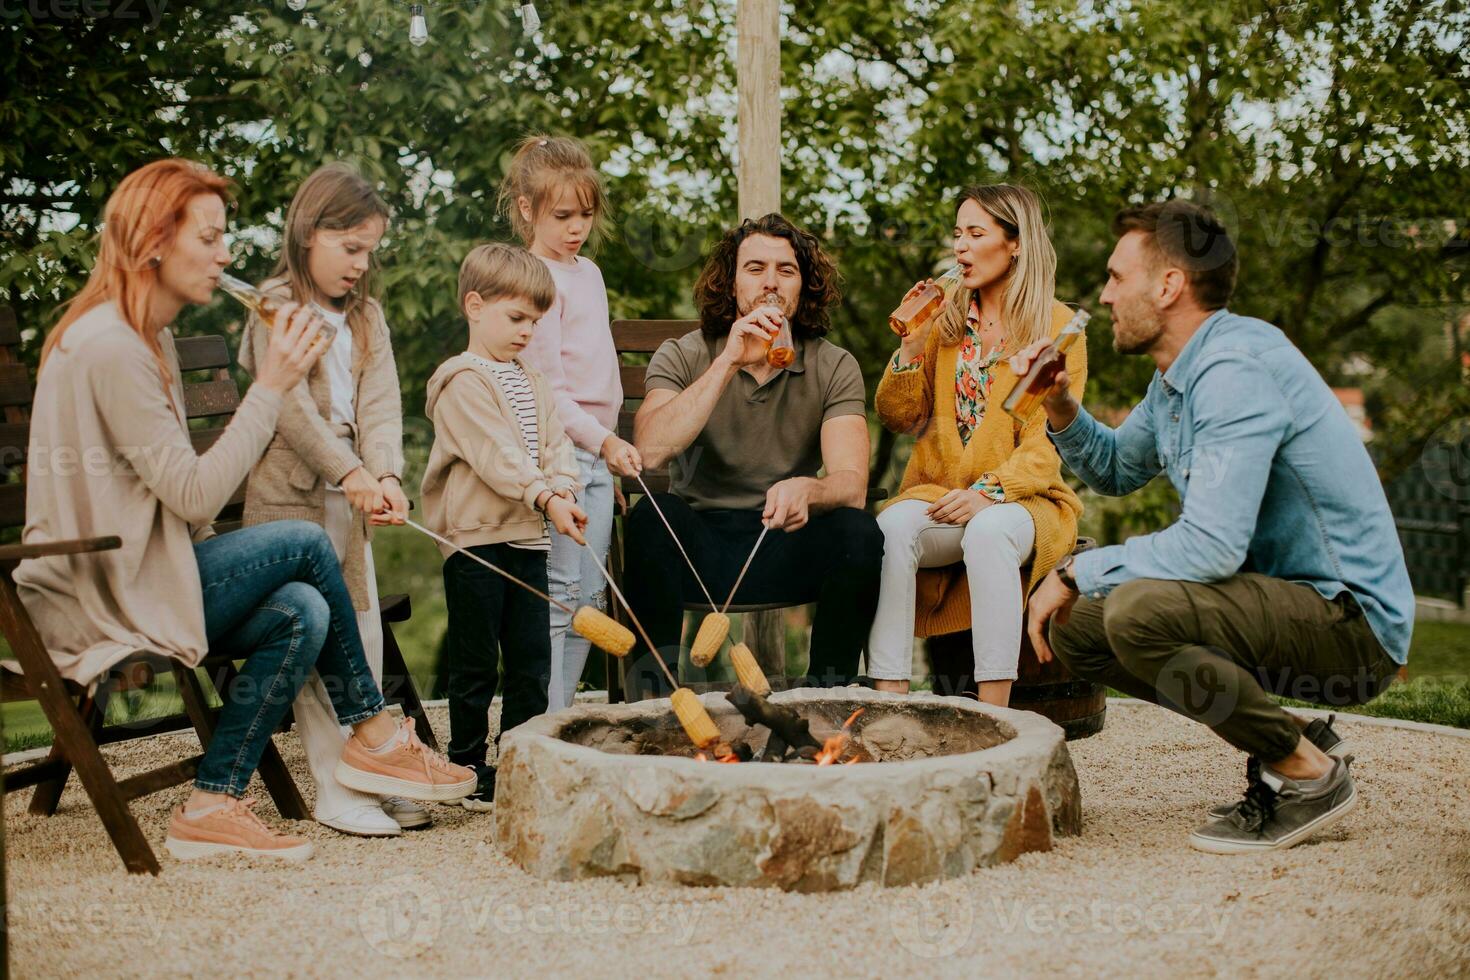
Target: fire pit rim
column 547, row 727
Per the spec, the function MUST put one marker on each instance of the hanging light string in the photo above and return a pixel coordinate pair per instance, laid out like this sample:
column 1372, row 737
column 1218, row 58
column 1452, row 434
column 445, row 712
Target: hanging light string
column 418, row 23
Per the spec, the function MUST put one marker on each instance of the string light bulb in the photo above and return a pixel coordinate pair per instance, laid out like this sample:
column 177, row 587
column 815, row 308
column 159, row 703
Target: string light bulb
column 530, row 20
column 296, row 4
column 418, row 27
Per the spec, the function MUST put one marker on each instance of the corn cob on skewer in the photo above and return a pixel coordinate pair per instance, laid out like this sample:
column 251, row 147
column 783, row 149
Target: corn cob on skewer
column 712, row 633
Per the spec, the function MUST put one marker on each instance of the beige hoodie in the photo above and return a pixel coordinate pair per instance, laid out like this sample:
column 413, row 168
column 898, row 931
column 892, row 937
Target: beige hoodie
column 480, row 486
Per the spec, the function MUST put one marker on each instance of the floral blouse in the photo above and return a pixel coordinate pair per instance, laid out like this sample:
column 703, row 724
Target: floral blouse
column 972, row 380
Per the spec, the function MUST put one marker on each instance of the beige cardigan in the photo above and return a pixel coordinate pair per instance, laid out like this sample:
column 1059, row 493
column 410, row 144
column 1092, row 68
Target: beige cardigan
column 479, row 486
column 308, row 453
column 109, row 455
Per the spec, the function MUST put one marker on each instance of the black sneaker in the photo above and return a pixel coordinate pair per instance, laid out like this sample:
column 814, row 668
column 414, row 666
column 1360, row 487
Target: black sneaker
column 483, row 798
column 1320, row 733
column 1278, row 812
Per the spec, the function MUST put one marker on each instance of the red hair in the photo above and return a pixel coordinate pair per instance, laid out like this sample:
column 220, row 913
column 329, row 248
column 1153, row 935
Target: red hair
column 139, row 223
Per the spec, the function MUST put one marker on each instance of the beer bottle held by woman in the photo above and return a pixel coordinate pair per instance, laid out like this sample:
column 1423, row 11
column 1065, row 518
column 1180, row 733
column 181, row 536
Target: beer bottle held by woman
column 919, row 308
column 266, row 306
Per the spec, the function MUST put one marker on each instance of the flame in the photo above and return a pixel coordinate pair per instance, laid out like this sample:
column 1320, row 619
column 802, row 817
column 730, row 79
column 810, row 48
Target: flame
column 833, row 748
column 727, row 757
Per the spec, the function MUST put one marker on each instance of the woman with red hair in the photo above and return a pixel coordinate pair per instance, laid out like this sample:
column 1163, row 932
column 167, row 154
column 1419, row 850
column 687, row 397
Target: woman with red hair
column 110, row 453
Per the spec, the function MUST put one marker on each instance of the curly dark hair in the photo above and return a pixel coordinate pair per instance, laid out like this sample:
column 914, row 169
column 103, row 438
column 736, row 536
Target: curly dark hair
column 714, row 292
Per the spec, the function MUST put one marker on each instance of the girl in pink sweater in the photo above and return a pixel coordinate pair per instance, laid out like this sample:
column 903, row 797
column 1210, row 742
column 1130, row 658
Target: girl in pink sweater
column 555, row 200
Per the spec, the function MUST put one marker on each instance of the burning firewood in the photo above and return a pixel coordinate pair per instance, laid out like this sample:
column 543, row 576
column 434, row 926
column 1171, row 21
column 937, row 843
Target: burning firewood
column 788, row 729
column 833, row 748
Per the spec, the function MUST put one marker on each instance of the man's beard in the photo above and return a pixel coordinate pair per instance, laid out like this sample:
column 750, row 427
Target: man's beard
column 1135, row 329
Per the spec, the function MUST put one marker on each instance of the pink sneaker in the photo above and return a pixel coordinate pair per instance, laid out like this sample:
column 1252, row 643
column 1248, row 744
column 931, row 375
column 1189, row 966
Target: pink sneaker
column 232, row 829
column 408, row 769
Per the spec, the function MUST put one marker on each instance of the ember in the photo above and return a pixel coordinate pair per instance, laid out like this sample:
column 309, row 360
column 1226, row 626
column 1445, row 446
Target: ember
column 789, row 733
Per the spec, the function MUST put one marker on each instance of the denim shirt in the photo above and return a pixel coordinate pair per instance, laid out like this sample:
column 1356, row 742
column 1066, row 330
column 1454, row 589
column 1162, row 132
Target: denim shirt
column 1271, row 473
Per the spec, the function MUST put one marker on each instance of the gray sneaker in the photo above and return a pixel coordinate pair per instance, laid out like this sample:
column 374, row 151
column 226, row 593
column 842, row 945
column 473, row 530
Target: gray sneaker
column 1320, row 733
column 1278, row 812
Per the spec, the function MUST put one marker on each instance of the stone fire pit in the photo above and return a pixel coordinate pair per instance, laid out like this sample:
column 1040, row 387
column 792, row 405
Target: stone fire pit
column 955, row 785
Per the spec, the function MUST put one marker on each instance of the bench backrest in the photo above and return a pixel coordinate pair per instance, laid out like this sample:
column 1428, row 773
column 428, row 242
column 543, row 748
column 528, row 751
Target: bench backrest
column 642, row 337
column 210, row 394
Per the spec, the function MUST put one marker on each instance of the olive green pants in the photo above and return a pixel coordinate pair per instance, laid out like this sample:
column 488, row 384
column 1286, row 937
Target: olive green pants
column 1215, row 653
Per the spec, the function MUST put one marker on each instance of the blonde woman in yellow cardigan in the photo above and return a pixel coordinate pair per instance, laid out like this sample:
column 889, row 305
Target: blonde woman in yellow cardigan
column 982, row 513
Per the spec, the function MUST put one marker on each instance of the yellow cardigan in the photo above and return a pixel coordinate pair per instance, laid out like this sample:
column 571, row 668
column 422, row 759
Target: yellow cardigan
column 1024, row 460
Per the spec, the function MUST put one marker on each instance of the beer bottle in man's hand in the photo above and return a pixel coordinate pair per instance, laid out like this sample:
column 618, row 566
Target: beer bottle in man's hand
column 1024, row 398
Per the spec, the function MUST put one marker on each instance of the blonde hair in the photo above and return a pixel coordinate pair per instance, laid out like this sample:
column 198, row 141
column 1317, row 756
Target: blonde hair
column 498, row 270
column 540, row 169
column 335, row 197
column 1031, row 284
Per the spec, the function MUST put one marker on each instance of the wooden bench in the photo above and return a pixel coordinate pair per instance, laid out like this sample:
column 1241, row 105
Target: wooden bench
column 766, row 629
column 77, row 715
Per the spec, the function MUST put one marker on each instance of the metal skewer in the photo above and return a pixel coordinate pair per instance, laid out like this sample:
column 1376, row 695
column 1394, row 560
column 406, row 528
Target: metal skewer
column 741, row 577
column 659, row 510
column 494, row 568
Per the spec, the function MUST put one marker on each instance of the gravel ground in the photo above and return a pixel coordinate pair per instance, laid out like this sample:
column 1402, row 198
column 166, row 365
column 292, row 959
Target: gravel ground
column 1386, row 893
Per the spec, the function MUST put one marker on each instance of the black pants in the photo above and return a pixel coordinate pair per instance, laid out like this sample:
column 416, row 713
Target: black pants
column 835, row 561
column 491, row 619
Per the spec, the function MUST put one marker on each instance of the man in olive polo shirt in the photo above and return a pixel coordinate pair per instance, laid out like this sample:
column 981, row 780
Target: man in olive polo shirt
column 745, row 443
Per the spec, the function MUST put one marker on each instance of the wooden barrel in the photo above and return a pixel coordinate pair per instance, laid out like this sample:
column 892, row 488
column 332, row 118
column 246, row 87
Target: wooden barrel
column 1079, row 707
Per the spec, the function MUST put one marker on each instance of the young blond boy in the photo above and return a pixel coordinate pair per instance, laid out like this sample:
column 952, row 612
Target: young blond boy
column 500, row 469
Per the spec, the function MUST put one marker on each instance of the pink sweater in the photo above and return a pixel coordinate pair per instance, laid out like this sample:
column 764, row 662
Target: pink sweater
column 573, row 347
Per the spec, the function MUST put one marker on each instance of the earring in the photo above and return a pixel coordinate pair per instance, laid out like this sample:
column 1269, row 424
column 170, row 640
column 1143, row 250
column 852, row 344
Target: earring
column 155, row 262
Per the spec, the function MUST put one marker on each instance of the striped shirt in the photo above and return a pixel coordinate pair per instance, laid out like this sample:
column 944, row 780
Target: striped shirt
column 516, row 388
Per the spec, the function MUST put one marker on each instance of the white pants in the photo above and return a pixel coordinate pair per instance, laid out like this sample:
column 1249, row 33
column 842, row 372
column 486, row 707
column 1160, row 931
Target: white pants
column 993, row 546
column 316, row 722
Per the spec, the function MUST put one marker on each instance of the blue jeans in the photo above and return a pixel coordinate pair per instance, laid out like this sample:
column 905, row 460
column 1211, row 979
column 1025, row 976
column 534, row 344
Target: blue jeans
column 571, row 571
column 274, row 597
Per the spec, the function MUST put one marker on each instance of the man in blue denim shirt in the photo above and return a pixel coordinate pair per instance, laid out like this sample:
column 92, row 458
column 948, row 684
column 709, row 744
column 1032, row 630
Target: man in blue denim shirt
column 1283, row 574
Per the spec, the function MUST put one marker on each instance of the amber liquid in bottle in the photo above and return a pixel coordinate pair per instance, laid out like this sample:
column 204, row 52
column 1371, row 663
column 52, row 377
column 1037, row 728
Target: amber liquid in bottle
column 265, row 306
column 1026, row 396
column 920, row 308
column 782, row 349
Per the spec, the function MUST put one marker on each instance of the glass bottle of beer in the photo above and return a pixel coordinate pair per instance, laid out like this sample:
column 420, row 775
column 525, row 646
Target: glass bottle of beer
column 265, row 306
column 918, row 309
column 1048, row 363
column 782, row 349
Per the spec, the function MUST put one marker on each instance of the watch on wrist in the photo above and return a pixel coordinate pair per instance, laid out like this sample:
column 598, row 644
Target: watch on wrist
column 1064, row 572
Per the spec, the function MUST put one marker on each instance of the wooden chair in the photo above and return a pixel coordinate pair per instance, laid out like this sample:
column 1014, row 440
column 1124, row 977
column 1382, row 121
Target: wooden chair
column 643, row 337
column 77, row 714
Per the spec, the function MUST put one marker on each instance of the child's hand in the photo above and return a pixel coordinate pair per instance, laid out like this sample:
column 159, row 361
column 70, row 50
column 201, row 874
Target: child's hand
column 622, row 457
column 395, row 504
column 567, row 518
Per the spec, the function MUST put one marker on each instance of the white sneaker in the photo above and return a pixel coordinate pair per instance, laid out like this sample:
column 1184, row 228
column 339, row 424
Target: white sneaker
column 406, row 813
column 362, row 820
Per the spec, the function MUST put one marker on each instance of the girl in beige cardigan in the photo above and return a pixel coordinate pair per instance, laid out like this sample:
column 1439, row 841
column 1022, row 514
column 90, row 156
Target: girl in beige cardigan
column 110, row 453
column 337, row 455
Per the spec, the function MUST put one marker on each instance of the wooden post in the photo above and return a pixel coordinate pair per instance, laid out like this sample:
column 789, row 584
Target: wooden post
column 758, row 80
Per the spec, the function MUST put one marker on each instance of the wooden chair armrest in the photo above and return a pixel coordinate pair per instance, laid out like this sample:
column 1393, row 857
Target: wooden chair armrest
column 76, row 546
column 395, row 608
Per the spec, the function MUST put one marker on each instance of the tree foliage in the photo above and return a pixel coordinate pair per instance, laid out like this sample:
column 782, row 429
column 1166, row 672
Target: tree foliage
column 1331, row 134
